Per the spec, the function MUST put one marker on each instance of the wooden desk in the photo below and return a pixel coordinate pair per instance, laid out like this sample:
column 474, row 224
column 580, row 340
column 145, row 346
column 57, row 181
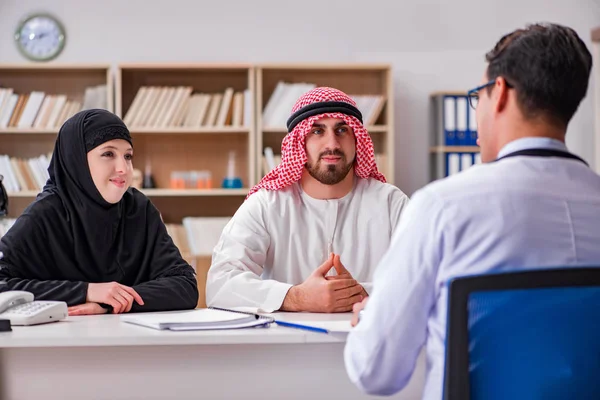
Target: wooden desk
column 100, row 357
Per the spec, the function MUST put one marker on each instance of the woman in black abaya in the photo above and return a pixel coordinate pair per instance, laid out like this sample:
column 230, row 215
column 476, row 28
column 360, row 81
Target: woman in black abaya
column 89, row 239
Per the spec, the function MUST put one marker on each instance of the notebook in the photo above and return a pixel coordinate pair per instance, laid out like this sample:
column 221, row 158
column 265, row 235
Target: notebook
column 199, row 319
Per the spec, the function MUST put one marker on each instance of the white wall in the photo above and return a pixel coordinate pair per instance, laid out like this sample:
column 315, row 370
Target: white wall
column 432, row 44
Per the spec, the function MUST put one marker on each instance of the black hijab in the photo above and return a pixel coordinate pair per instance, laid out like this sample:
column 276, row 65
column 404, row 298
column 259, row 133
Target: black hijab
column 94, row 221
column 70, row 233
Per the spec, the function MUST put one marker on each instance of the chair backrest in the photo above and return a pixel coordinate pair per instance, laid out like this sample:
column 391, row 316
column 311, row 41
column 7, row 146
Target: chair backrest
column 524, row 335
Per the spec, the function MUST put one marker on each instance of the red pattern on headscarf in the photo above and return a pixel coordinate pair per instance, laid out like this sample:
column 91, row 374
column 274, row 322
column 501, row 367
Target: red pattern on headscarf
column 293, row 149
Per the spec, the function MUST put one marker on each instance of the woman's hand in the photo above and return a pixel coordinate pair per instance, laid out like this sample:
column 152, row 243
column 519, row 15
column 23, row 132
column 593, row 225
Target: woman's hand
column 86, row 309
column 120, row 297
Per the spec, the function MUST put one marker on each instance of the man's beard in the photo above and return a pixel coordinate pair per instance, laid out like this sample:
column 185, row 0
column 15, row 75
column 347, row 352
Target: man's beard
column 333, row 174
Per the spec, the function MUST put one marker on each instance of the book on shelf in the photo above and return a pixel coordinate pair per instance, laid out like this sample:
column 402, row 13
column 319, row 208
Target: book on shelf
column 203, row 233
column 279, row 106
column 181, row 106
column 270, row 160
column 42, row 110
column 24, row 174
column 454, row 126
column 197, row 236
column 5, row 225
column 370, row 107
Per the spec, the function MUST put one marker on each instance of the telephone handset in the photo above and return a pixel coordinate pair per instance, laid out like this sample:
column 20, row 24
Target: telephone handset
column 18, row 306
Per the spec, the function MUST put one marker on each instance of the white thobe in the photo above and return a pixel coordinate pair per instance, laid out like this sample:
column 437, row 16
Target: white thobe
column 276, row 239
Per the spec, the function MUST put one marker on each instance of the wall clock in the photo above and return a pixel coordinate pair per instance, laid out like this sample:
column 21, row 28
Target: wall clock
column 40, row 37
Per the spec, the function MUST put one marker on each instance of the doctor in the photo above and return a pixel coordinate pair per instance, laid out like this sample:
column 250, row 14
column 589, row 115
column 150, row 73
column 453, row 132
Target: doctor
column 533, row 204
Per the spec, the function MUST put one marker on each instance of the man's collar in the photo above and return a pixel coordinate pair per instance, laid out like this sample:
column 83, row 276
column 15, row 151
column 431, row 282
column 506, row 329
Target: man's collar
column 532, row 143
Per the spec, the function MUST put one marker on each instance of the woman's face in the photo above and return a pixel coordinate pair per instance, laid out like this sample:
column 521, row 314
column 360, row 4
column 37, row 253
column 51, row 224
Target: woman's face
column 111, row 168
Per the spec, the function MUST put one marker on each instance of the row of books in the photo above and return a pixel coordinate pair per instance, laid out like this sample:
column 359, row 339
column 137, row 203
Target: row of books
column 280, row 104
column 450, row 163
column 39, row 109
column 455, row 123
column 458, row 162
column 21, row 174
column 179, row 106
column 270, row 160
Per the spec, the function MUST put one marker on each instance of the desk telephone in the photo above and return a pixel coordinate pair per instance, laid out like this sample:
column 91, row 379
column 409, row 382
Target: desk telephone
column 18, row 306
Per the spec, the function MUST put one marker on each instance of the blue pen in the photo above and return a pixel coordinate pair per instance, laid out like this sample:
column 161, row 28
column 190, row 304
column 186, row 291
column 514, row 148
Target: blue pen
column 300, row 326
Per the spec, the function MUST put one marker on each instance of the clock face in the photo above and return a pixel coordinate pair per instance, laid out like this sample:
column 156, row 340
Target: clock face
column 40, row 37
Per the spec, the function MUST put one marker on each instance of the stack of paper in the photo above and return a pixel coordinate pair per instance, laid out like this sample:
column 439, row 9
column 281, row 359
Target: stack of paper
column 200, row 319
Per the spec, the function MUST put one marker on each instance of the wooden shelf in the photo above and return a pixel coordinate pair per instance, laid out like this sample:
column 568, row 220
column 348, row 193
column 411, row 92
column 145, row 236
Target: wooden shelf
column 183, row 148
column 30, row 131
column 187, row 131
column 53, row 66
column 194, row 192
column 23, row 194
column 596, row 34
column 352, row 79
column 68, row 79
column 448, row 93
column 283, row 131
column 161, row 192
column 140, row 131
column 168, row 149
column 455, row 149
column 327, row 67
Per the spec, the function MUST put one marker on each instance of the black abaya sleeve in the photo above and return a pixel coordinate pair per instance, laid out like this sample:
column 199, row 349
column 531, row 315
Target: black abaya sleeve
column 27, row 265
column 172, row 284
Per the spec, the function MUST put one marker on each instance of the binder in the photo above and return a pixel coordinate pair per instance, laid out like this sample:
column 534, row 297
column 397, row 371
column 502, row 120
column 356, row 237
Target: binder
column 443, row 113
column 452, row 163
column 450, row 121
column 466, row 161
column 462, row 109
column 472, row 125
column 200, row 319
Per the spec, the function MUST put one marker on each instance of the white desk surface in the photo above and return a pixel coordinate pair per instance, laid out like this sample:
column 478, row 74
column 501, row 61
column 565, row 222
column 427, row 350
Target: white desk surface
column 109, row 330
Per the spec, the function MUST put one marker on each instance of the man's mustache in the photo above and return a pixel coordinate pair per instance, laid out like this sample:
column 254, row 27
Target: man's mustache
column 335, row 152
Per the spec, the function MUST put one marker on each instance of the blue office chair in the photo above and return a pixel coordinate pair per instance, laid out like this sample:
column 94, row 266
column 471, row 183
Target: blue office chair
column 524, row 335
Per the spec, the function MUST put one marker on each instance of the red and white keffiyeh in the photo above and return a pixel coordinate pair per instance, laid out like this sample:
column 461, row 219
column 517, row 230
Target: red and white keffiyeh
column 293, row 150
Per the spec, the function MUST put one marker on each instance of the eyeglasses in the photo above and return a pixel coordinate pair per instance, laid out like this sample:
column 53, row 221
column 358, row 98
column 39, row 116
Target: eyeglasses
column 473, row 94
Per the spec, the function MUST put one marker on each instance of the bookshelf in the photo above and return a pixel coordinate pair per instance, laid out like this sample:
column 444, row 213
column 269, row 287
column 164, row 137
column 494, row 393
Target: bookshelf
column 596, row 73
column 62, row 90
column 174, row 132
column 453, row 134
column 169, row 137
column 353, row 79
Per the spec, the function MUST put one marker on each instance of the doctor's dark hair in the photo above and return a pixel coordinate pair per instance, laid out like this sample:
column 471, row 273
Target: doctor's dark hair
column 549, row 67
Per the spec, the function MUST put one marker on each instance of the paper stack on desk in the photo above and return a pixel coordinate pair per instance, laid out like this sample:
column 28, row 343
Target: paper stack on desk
column 200, row 319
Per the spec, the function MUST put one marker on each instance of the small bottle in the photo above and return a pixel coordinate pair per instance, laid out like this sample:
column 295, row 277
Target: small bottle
column 231, row 181
column 148, row 179
column 208, row 179
column 173, row 180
